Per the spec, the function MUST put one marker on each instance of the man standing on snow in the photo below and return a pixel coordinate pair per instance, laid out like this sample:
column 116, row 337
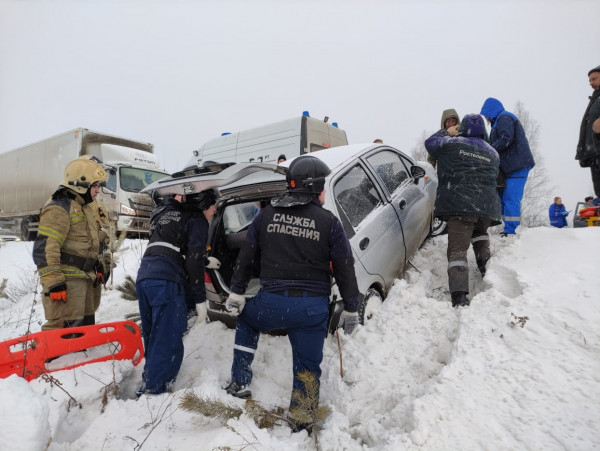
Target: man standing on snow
column 296, row 242
column 467, row 168
column 65, row 250
column 558, row 214
column 171, row 271
column 588, row 147
column 516, row 160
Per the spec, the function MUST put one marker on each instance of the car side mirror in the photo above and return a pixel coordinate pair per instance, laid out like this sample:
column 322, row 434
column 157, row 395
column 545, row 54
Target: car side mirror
column 417, row 172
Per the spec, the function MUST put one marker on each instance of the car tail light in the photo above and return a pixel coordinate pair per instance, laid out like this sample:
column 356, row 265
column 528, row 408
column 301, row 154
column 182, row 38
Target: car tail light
column 208, row 283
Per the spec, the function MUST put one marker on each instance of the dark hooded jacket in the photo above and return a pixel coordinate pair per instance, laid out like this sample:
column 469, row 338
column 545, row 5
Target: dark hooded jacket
column 446, row 114
column 467, row 169
column 588, row 147
column 507, row 137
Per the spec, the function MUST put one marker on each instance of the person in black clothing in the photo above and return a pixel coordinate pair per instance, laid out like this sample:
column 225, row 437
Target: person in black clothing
column 588, row 147
column 467, row 168
column 296, row 241
column 172, row 272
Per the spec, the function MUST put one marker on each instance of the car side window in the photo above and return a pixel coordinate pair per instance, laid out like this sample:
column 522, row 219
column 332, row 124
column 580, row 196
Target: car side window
column 356, row 194
column 389, row 167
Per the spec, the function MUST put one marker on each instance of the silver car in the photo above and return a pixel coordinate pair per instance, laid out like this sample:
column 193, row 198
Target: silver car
column 382, row 197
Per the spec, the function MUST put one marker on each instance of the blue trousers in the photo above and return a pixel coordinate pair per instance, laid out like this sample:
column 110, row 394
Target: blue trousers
column 164, row 321
column 510, row 198
column 304, row 319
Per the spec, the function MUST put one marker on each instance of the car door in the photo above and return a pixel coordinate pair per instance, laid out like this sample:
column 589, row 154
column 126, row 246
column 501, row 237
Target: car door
column 370, row 222
column 409, row 200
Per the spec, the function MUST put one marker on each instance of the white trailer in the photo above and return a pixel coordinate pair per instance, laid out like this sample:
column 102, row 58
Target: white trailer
column 30, row 174
column 264, row 144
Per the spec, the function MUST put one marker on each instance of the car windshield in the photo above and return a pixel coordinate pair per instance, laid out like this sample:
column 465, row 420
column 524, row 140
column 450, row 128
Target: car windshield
column 136, row 179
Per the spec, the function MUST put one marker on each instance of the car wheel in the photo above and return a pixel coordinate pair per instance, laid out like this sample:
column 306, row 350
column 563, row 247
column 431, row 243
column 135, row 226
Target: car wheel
column 371, row 302
column 438, row 227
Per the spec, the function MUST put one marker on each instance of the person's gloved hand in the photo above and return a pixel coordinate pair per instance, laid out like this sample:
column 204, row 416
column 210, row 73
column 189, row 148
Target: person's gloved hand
column 201, row 310
column 565, row 213
column 235, row 303
column 58, row 293
column 213, row 263
column 348, row 321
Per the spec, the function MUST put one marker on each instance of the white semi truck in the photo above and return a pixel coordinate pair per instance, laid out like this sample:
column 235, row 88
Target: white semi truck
column 30, row 174
column 291, row 137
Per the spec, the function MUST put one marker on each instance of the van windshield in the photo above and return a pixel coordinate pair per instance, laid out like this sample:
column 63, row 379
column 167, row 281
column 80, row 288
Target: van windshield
column 136, row 179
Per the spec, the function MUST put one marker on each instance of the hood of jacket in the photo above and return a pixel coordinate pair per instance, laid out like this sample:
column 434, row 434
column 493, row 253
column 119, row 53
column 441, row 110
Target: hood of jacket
column 447, row 114
column 491, row 108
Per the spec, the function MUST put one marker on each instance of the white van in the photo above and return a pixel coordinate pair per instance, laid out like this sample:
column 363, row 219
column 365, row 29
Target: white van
column 265, row 144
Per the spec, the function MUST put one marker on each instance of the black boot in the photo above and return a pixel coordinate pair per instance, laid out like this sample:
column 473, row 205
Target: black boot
column 459, row 299
column 481, row 266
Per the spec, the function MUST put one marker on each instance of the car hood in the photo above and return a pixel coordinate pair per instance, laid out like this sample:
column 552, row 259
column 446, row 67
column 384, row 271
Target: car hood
column 199, row 182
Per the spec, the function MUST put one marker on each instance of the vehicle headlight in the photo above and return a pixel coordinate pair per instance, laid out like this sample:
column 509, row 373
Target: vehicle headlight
column 125, row 210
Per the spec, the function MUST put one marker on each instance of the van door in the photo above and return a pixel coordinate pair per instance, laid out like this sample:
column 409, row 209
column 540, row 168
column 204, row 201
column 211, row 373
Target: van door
column 392, row 170
column 370, row 222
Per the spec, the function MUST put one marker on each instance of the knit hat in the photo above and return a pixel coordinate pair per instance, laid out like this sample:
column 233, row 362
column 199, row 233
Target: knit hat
column 595, row 69
column 472, row 125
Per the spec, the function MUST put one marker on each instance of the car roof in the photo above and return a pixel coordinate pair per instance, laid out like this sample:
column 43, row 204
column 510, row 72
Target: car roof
column 334, row 157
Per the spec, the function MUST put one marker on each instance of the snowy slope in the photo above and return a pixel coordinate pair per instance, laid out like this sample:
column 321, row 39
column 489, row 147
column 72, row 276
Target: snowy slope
column 419, row 375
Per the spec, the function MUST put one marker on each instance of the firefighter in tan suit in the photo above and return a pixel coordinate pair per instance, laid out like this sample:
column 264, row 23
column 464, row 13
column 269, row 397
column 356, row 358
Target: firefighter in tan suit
column 67, row 245
column 104, row 253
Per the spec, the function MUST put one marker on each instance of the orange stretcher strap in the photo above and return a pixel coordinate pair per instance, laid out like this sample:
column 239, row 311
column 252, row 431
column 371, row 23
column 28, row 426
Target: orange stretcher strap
column 32, row 355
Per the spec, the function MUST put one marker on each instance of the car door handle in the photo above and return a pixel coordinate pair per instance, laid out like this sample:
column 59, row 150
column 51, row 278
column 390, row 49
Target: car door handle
column 363, row 244
column 402, row 204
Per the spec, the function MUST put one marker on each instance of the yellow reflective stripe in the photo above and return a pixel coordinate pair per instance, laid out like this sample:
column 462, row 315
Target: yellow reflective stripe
column 52, row 233
column 69, row 271
column 77, row 217
column 48, row 270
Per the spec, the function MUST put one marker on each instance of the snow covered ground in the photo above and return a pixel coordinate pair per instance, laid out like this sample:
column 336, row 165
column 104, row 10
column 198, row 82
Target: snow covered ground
column 419, row 375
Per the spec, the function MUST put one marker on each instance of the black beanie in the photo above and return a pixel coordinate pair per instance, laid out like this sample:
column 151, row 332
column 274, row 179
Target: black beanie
column 595, row 69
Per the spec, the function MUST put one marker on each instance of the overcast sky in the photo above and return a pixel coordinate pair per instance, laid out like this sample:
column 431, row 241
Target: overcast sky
column 179, row 73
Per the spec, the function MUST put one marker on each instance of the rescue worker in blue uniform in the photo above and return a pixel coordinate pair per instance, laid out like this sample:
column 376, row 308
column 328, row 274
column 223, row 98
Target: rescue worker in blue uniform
column 558, row 214
column 297, row 243
column 516, row 160
column 171, row 271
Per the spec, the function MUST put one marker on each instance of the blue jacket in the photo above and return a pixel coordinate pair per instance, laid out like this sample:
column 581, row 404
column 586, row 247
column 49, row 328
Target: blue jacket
column 558, row 216
column 507, row 137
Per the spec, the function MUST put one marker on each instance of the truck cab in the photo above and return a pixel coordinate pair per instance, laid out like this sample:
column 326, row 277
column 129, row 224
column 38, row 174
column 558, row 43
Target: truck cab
column 129, row 171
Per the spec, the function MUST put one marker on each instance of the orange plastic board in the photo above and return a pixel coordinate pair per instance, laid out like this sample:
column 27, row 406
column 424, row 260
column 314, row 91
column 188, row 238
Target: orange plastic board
column 31, row 355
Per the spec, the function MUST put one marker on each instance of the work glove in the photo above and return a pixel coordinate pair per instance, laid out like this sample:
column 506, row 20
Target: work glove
column 212, row 263
column 201, row 311
column 58, row 293
column 235, row 303
column 99, row 279
column 565, row 213
column 348, row 321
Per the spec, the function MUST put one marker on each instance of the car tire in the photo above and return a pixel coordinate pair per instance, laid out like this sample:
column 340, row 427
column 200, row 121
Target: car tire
column 370, row 302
